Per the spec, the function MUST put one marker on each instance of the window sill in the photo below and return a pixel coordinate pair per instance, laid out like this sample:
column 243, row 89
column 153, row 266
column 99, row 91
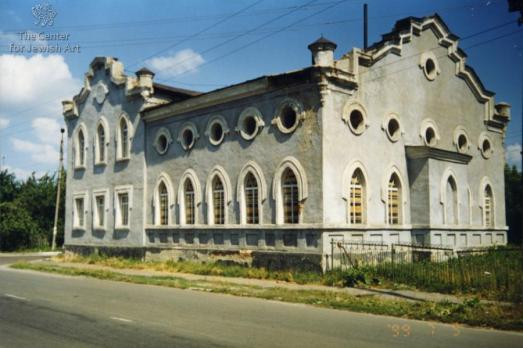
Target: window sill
column 99, row 229
column 122, row 228
column 99, row 164
column 79, row 167
column 79, row 228
column 123, row 159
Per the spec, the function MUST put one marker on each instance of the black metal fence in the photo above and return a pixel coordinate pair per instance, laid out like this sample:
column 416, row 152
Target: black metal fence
column 494, row 270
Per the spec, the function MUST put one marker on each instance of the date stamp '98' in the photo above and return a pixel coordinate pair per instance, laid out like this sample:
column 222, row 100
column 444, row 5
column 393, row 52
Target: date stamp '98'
column 404, row 330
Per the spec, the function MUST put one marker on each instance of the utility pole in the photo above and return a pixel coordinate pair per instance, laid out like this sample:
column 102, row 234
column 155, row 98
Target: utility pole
column 59, row 184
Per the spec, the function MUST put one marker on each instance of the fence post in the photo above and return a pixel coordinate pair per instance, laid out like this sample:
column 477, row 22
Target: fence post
column 392, row 253
column 332, row 254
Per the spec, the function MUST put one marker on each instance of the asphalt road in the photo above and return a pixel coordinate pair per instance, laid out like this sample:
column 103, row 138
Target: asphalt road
column 46, row 310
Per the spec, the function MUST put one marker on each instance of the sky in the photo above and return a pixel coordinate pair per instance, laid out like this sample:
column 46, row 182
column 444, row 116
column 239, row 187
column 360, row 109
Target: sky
column 204, row 45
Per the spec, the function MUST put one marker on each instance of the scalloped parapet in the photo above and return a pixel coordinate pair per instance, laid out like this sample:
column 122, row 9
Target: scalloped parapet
column 140, row 86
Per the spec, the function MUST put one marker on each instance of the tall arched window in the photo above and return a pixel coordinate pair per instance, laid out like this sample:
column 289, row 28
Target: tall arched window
column 291, row 209
column 163, row 197
column 101, row 143
column 251, row 199
column 81, row 148
column 189, row 202
column 357, row 197
column 451, row 202
column 488, row 207
column 218, row 201
column 394, row 200
column 124, row 139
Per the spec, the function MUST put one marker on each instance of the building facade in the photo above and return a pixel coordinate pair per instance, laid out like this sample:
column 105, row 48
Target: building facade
column 399, row 142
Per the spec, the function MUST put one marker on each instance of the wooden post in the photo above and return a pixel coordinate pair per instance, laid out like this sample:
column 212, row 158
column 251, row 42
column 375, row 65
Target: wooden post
column 58, row 189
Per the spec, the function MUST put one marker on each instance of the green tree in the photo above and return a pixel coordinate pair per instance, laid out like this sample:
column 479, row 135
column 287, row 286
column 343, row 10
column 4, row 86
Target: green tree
column 514, row 204
column 28, row 208
column 18, row 229
column 9, row 187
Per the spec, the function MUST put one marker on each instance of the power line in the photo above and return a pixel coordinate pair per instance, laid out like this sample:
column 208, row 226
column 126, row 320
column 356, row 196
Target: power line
column 262, row 38
column 200, row 32
column 103, row 26
column 239, row 35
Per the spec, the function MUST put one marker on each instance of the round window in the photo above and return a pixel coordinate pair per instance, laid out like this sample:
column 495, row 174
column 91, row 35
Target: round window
column 216, row 132
column 354, row 115
column 188, row 138
column 429, row 64
column 288, row 117
column 188, row 135
column 249, row 126
column 162, row 141
column 463, row 143
column 356, row 120
column 430, row 67
column 249, row 123
column 486, row 148
column 430, row 136
column 393, row 129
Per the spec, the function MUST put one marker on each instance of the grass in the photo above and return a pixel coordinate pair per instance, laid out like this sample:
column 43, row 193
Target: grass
column 209, row 268
column 470, row 312
column 495, row 276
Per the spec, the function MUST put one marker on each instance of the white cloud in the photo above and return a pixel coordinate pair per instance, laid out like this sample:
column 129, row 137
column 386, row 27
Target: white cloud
column 183, row 61
column 36, row 81
column 47, row 130
column 513, row 155
column 39, row 153
column 22, row 174
column 4, row 122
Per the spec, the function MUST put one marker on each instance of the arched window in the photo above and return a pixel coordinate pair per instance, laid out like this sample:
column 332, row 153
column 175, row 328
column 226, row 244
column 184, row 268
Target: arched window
column 189, row 202
column 291, row 209
column 81, row 148
column 451, row 202
column 218, row 201
column 251, row 199
column 124, row 138
column 488, row 207
column 394, row 200
column 357, row 197
column 163, row 197
column 101, row 143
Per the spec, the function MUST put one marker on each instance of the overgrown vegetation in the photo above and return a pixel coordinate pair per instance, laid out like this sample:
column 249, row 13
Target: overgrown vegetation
column 470, row 312
column 514, row 204
column 27, row 212
column 496, row 274
column 208, row 268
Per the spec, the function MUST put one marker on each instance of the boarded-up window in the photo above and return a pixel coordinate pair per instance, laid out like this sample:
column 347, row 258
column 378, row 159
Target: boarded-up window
column 251, row 199
column 218, row 201
column 124, row 138
column 163, row 197
column 488, row 207
column 394, row 201
column 291, row 207
column 357, row 196
column 81, row 148
column 189, row 202
column 101, row 143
